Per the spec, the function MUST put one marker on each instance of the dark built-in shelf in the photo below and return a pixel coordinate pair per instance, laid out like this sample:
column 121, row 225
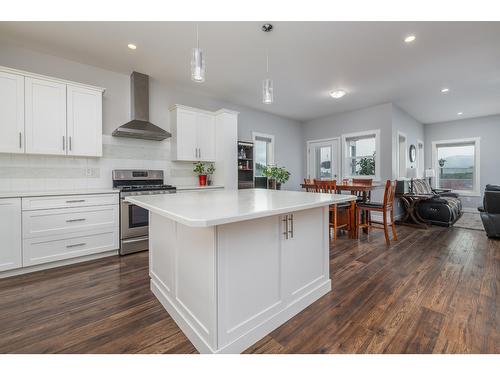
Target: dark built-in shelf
column 245, row 169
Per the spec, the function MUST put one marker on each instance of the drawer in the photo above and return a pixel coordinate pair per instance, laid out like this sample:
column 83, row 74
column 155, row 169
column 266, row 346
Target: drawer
column 51, row 249
column 66, row 201
column 39, row 223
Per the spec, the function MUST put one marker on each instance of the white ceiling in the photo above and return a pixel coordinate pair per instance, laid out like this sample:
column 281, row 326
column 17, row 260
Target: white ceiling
column 307, row 60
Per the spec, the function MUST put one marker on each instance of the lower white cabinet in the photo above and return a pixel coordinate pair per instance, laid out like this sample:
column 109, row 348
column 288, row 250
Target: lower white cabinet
column 53, row 248
column 62, row 227
column 10, row 234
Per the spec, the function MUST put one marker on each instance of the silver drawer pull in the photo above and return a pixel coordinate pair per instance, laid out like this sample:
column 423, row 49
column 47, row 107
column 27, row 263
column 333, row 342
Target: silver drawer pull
column 76, row 201
column 76, row 245
column 74, row 220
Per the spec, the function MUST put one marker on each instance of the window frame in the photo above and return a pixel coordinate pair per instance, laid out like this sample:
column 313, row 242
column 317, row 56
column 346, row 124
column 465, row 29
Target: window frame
column 346, row 158
column 270, row 150
column 475, row 192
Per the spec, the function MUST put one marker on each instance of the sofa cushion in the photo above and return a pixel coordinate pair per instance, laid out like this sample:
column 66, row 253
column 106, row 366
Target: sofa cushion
column 490, row 187
column 421, row 186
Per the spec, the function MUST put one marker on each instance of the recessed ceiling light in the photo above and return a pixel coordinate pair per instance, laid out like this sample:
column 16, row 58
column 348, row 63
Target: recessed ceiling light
column 460, row 113
column 132, row 46
column 337, row 94
column 410, row 38
column 445, row 90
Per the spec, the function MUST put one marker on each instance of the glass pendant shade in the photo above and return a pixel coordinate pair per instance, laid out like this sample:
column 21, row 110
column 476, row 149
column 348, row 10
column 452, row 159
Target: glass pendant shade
column 198, row 65
column 267, row 91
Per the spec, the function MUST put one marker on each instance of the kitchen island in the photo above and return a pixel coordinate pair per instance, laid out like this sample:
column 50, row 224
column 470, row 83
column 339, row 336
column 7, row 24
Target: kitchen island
column 230, row 266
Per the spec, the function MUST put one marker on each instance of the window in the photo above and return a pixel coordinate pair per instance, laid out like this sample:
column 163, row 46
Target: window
column 402, row 155
column 420, row 158
column 323, row 158
column 263, row 152
column 457, row 165
column 362, row 154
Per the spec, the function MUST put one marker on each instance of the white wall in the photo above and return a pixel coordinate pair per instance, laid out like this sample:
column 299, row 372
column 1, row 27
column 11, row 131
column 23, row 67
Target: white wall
column 488, row 129
column 72, row 172
column 376, row 117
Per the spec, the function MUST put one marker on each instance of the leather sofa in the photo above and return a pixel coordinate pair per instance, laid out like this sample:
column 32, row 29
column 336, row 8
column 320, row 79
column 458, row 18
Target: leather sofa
column 490, row 211
column 443, row 208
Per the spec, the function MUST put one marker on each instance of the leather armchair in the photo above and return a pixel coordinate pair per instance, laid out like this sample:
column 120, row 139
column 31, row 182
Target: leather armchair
column 443, row 208
column 490, row 211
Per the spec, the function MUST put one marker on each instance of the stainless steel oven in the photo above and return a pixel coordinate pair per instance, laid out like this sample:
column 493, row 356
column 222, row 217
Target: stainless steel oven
column 134, row 220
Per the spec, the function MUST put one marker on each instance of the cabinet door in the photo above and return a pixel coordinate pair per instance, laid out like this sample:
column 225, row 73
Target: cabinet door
column 84, row 121
column 186, row 135
column 206, row 136
column 10, row 233
column 305, row 252
column 11, row 113
column 45, row 117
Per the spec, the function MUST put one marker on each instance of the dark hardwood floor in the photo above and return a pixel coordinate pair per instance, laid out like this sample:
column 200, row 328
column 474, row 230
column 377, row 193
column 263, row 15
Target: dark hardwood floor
column 434, row 291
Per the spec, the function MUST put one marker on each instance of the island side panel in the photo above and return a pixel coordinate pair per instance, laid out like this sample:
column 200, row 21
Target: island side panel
column 266, row 277
column 183, row 277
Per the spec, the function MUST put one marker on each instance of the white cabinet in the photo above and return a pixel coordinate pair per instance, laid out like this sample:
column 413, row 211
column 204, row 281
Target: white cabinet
column 205, row 129
column 193, row 134
column 10, row 234
column 11, row 113
column 63, row 227
column 305, row 261
column 84, row 121
column 45, row 120
column 43, row 115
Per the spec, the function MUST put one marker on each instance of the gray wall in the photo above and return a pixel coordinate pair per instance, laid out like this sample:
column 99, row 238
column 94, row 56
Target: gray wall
column 488, row 129
column 414, row 130
column 116, row 108
column 376, row 117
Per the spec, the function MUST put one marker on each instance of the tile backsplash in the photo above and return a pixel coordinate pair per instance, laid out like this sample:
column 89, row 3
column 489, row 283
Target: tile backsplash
column 21, row 172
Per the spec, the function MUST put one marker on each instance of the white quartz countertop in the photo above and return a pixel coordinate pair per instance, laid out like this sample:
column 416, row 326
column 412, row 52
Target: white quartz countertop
column 45, row 193
column 216, row 207
column 198, row 187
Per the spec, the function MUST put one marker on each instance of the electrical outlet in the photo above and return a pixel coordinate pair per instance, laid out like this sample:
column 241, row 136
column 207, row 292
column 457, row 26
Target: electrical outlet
column 88, row 172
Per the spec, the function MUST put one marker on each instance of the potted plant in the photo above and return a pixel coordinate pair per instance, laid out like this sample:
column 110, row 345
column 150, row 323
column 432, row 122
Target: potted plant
column 199, row 169
column 210, row 172
column 281, row 175
column 268, row 172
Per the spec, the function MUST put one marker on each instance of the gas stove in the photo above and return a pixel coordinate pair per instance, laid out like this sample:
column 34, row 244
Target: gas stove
column 134, row 220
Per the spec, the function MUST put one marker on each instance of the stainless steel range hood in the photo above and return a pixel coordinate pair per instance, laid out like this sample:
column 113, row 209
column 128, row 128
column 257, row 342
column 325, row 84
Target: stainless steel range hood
column 139, row 126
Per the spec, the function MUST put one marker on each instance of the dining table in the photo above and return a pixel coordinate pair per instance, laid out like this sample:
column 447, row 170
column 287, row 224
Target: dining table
column 354, row 189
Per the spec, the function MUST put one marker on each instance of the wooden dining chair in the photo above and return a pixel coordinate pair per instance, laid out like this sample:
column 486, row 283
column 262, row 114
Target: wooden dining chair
column 309, row 185
column 330, row 187
column 387, row 209
column 360, row 193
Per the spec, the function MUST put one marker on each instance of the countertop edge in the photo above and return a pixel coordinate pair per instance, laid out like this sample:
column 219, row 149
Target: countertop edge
column 200, row 223
column 29, row 194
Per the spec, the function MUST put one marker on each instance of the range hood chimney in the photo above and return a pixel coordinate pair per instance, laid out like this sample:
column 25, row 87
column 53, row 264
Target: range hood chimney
column 139, row 125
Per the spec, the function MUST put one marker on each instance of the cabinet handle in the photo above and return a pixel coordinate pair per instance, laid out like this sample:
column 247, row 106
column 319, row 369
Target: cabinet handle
column 291, row 225
column 20, row 140
column 76, row 245
column 76, row 201
column 70, row 143
column 285, row 222
column 64, row 142
column 74, row 220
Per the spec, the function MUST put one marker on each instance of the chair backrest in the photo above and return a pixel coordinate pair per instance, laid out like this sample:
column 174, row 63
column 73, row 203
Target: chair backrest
column 364, row 182
column 389, row 193
column 421, row 186
column 491, row 201
column 309, row 185
column 325, row 186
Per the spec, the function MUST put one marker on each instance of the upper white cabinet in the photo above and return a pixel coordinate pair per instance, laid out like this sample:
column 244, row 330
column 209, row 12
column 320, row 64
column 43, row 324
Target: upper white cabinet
column 43, row 115
column 193, row 134
column 84, row 121
column 11, row 112
column 10, row 234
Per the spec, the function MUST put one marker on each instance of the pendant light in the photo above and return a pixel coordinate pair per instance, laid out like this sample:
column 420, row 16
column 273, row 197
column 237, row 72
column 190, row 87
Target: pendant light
column 267, row 83
column 267, row 87
column 197, row 62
